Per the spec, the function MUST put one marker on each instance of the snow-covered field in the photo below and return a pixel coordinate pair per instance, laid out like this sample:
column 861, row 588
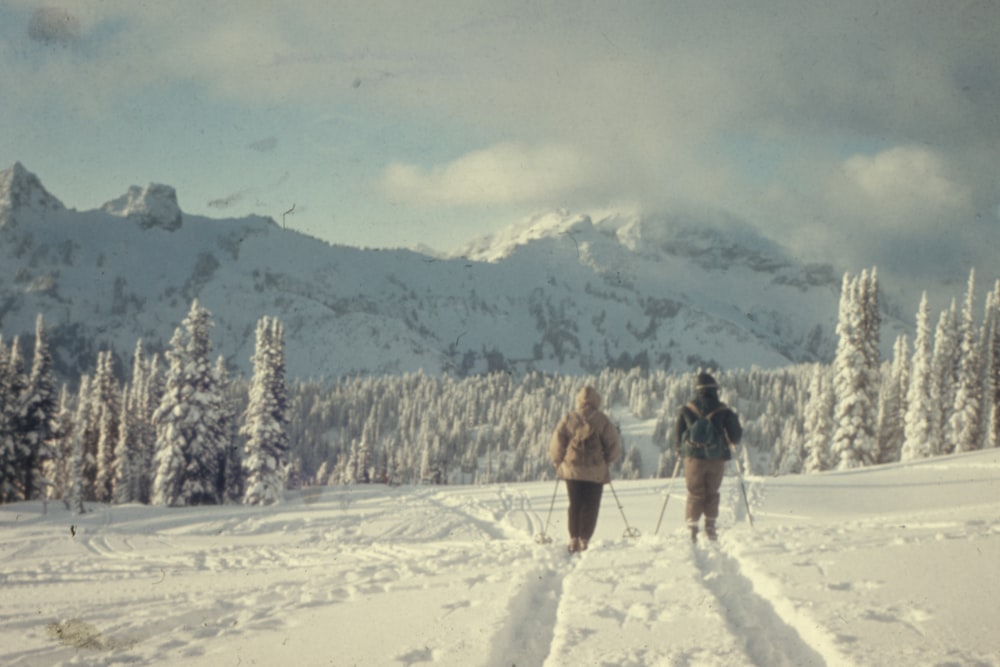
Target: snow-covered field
column 882, row 566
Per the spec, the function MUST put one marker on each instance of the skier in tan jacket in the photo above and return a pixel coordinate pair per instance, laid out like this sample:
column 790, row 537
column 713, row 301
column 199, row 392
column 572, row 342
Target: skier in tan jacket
column 584, row 443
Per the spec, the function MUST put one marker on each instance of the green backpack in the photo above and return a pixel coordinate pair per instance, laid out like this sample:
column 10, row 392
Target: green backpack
column 703, row 439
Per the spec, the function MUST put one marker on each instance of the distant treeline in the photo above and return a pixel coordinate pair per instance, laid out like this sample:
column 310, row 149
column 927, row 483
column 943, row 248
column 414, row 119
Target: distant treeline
column 183, row 432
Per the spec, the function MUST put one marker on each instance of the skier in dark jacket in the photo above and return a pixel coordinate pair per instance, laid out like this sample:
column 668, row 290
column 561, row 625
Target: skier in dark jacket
column 705, row 463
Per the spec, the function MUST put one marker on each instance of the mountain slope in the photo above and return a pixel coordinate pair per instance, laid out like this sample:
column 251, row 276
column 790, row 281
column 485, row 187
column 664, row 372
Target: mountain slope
column 563, row 294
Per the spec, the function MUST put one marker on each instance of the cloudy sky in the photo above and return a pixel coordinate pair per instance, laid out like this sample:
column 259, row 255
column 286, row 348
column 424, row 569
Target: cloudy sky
column 866, row 131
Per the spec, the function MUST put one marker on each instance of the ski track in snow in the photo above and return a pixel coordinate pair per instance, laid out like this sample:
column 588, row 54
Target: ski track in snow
column 771, row 639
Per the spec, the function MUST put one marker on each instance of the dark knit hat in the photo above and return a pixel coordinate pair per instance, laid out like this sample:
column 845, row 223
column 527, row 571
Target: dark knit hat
column 706, row 381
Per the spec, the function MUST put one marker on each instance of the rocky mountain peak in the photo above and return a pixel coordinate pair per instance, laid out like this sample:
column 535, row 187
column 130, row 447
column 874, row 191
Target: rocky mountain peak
column 20, row 189
column 152, row 206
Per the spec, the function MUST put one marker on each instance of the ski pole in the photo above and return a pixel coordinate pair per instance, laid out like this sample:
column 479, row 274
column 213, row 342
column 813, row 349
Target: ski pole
column 739, row 475
column 543, row 537
column 670, row 486
column 629, row 530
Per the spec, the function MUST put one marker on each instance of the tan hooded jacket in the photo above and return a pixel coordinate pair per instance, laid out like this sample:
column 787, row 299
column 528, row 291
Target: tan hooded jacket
column 585, row 457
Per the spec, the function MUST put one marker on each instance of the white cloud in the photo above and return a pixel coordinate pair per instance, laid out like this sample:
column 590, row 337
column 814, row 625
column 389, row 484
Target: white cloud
column 727, row 106
column 503, row 174
column 906, row 184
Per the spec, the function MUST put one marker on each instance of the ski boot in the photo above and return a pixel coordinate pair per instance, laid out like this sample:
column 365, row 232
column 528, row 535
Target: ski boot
column 710, row 532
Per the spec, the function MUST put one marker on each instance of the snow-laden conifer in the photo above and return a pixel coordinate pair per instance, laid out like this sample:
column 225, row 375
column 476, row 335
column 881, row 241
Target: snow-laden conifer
column 129, row 452
column 188, row 438
column 991, row 369
column 79, row 462
column 38, row 419
column 985, row 333
column 892, row 403
column 9, row 470
column 944, row 378
column 818, row 421
column 920, row 416
column 855, row 415
column 107, row 402
column 265, row 454
column 150, row 394
column 125, row 487
column 18, row 388
column 792, row 459
column 56, row 468
column 631, row 467
column 231, row 487
column 322, row 475
column 964, row 432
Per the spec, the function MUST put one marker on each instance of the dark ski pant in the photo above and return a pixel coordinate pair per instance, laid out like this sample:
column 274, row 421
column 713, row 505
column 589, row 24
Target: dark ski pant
column 703, row 478
column 584, row 505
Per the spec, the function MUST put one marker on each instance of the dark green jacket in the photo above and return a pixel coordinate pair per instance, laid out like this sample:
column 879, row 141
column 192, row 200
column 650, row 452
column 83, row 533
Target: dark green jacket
column 725, row 419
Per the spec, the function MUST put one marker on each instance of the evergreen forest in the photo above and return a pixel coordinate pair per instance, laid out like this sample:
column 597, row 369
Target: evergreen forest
column 179, row 430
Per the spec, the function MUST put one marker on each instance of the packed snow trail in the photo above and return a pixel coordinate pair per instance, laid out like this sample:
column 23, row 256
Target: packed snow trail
column 771, row 640
column 640, row 603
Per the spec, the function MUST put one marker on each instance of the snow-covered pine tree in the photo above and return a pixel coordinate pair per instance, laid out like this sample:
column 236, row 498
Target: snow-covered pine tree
column 57, row 468
column 964, row 431
column 944, row 378
column 170, row 460
column 9, row 470
column 470, row 460
column 854, row 442
column 150, row 394
column 871, row 327
column 892, row 403
column 322, row 475
column 986, row 332
column 920, row 418
column 665, row 463
column 18, row 387
column 351, row 467
column 83, row 435
column 991, row 362
column 231, row 487
column 265, row 454
column 818, row 421
column 631, row 467
column 38, row 422
column 365, row 458
column 430, row 470
column 188, row 438
column 130, row 452
column 126, row 466
column 662, row 430
column 107, row 402
column 792, row 459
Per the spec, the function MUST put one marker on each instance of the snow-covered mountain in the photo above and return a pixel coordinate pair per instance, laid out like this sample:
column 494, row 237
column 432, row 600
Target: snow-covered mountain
column 560, row 292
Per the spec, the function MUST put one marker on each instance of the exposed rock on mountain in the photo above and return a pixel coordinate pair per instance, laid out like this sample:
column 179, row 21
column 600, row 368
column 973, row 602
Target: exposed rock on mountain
column 152, row 206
